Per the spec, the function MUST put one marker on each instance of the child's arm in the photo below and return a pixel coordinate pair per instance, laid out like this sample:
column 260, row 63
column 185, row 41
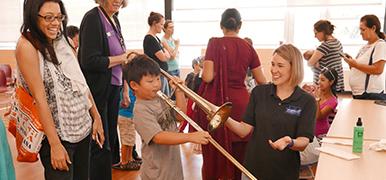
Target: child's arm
column 180, row 96
column 174, row 138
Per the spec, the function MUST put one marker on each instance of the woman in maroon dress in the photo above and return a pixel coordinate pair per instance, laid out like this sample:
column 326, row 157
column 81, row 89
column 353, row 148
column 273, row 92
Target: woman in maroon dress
column 227, row 60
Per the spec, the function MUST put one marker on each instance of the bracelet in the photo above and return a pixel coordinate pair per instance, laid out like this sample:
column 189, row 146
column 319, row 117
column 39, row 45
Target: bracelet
column 291, row 143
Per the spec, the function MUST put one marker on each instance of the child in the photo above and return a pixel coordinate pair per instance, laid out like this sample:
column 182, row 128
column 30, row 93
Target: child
column 127, row 132
column 325, row 95
column 192, row 81
column 155, row 122
column 191, row 77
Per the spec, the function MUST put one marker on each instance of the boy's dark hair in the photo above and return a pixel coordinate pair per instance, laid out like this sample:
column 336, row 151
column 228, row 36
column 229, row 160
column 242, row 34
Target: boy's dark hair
column 72, row 31
column 197, row 60
column 140, row 66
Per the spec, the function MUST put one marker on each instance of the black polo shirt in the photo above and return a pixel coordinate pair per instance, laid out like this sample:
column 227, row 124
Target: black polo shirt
column 273, row 119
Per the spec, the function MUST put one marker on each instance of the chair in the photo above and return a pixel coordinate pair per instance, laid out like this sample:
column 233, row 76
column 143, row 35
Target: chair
column 3, row 82
column 6, row 68
column 332, row 116
column 306, row 171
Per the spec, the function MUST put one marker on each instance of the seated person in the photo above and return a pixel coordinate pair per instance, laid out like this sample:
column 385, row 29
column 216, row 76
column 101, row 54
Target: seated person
column 155, row 121
column 326, row 104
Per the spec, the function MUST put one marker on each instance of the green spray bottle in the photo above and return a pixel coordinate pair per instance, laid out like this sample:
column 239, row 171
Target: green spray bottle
column 357, row 144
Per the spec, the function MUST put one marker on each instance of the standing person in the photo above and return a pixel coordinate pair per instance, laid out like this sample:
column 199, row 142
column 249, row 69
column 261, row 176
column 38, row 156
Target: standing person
column 101, row 53
column 127, row 133
column 73, row 34
column 153, row 48
column 281, row 117
column 7, row 170
column 155, row 122
column 327, row 55
column 224, row 70
column 172, row 46
column 367, row 75
column 50, row 73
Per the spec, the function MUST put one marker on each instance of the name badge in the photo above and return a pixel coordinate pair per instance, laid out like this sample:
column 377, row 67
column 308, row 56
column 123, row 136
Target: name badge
column 108, row 34
column 293, row 110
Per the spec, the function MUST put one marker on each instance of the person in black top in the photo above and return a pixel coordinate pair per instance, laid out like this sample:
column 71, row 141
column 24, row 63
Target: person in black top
column 101, row 53
column 192, row 80
column 152, row 46
column 282, row 118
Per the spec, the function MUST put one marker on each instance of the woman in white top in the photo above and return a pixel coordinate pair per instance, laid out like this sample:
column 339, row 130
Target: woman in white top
column 172, row 46
column 367, row 79
column 49, row 71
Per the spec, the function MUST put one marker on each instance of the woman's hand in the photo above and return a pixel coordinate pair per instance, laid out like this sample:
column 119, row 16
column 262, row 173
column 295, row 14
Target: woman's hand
column 97, row 132
column 59, row 157
column 309, row 88
column 350, row 61
column 281, row 143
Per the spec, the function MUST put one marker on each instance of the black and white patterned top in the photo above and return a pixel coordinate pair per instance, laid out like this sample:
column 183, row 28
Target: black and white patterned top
column 69, row 107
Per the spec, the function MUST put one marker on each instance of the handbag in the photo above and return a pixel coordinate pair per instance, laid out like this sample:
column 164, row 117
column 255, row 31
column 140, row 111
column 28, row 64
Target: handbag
column 25, row 125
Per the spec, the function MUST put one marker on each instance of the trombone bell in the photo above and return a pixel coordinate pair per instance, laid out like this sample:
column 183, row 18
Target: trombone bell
column 220, row 116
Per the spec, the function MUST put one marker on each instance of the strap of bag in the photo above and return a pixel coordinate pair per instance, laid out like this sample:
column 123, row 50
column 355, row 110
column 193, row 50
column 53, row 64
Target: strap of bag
column 368, row 75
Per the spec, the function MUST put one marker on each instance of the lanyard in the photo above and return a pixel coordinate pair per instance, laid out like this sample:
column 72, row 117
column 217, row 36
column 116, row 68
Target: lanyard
column 117, row 30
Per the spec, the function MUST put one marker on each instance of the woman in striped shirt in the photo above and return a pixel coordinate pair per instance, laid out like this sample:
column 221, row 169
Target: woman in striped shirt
column 327, row 54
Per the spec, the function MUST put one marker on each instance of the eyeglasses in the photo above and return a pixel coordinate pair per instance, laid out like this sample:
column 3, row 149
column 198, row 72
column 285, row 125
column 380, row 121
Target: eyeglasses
column 50, row 18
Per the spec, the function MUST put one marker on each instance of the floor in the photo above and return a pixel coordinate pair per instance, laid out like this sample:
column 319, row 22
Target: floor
column 191, row 162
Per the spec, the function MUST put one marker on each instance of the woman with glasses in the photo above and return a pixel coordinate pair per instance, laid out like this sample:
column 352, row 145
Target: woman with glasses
column 101, row 52
column 50, row 73
column 327, row 55
column 367, row 70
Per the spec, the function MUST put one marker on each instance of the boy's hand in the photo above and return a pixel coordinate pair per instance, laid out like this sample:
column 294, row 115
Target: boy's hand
column 199, row 137
column 175, row 79
column 125, row 101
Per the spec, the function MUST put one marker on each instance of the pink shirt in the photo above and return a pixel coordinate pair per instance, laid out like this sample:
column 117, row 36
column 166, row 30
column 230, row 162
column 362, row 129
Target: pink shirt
column 322, row 125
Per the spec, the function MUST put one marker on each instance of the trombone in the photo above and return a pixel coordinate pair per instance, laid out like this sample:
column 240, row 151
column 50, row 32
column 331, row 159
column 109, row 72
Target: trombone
column 216, row 116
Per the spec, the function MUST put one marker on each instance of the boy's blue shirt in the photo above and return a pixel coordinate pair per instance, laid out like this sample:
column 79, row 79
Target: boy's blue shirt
column 128, row 112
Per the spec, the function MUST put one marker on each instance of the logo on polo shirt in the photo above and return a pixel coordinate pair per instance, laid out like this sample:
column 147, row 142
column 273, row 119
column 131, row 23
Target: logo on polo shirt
column 293, row 110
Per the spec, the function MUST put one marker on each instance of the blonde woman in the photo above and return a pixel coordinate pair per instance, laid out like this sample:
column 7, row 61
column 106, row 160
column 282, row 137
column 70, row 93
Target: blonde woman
column 281, row 118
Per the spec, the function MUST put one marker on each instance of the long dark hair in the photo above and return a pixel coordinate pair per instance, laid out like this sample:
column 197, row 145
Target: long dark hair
column 31, row 31
column 331, row 75
column 371, row 20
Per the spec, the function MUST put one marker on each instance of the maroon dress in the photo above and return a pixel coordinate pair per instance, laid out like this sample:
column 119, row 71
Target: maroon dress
column 231, row 57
